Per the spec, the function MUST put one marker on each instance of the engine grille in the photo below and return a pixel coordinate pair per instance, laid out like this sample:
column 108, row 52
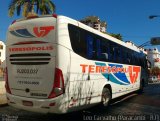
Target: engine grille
column 30, row 59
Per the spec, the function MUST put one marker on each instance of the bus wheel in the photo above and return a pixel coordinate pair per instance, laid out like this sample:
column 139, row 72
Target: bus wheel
column 106, row 97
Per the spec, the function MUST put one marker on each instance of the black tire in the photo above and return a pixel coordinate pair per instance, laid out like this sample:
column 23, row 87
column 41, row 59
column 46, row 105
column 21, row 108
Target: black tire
column 106, row 97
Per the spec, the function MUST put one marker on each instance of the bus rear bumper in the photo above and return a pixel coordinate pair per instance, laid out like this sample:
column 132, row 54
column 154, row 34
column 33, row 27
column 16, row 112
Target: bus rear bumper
column 36, row 105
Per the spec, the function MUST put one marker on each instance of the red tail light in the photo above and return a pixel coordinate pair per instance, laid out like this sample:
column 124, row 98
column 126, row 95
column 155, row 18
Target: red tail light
column 13, row 21
column 58, row 86
column 54, row 15
column 6, row 83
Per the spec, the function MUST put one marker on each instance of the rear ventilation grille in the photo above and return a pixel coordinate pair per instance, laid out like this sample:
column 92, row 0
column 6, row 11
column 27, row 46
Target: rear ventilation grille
column 30, row 59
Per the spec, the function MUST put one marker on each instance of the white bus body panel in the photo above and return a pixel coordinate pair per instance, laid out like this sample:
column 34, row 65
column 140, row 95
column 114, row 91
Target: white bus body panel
column 81, row 89
column 31, row 66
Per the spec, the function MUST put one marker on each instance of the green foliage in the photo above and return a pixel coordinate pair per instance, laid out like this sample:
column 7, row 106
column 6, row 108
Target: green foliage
column 118, row 36
column 28, row 6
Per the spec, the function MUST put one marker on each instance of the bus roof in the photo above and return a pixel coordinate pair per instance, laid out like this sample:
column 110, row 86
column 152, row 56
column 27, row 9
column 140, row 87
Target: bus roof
column 105, row 35
column 88, row 28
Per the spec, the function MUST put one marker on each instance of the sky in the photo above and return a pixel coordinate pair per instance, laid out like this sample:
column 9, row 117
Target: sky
column 127, row 17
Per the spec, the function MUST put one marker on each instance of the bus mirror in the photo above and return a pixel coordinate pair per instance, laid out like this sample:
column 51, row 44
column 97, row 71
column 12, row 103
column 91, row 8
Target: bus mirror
column 155, row 41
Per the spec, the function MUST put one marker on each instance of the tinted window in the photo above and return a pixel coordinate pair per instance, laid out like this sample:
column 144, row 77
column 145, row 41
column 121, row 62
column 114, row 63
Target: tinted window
column 78, row 42
column 94, row 47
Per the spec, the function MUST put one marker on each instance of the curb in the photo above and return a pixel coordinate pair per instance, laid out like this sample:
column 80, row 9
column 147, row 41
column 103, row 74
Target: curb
column 3, row 105
column 155, row 83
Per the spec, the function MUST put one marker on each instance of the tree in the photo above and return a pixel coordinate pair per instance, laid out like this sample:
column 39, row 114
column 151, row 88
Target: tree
column 118, row 36
column 30, row 6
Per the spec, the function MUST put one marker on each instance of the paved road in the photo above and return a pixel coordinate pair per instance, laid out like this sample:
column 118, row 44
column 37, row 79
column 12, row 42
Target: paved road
column 137, row 107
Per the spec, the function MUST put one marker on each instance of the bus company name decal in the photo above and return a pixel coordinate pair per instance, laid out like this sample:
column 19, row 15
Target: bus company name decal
column 116, row 72
column 109, row 69
column 41, row 31
column 40, row 48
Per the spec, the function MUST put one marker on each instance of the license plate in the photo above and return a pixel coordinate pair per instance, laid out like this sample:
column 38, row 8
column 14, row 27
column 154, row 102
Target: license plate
column 27, row 103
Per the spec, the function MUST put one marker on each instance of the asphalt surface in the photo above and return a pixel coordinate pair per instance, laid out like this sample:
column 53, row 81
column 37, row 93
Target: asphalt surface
column 132, row 107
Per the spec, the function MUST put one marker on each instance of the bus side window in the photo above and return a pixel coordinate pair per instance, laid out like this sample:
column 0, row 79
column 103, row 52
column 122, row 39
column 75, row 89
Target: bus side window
column 111, row 52
column 122, row 55
column 75, row 38
column 138, row 60
column 128, row 59
column 98, row 47
column 78, row 42
column 104, row 50
column 117, row 54
column 134, row 58
column 90, row 48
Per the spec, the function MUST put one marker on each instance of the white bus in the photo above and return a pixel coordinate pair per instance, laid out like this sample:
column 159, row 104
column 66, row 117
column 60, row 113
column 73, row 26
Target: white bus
column 57, row 65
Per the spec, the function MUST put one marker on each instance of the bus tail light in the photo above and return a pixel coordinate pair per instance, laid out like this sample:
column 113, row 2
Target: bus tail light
column 13, row 22
column 6, row 83
column 54, row 15
column 58, row 85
